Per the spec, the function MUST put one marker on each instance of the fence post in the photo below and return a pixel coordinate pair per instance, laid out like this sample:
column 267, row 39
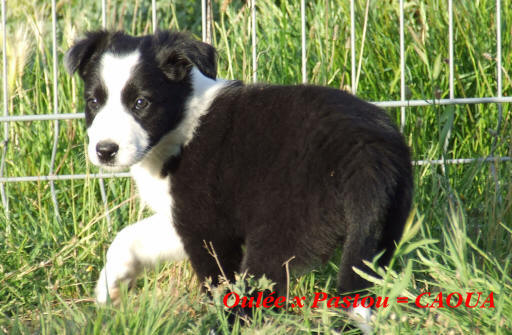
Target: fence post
column 5, row 142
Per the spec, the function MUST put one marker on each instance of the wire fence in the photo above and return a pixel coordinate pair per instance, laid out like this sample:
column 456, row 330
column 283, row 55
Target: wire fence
column 206, row 9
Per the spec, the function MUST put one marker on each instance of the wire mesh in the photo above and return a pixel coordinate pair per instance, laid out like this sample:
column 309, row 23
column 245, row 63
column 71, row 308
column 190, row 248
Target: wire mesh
column 206, row 14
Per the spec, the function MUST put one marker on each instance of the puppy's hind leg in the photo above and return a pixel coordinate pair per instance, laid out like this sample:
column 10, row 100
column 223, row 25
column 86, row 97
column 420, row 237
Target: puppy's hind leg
column 138, row 246
column 366, row 202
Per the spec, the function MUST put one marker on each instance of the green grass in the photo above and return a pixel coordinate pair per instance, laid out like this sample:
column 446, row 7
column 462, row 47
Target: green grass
column 459, row 237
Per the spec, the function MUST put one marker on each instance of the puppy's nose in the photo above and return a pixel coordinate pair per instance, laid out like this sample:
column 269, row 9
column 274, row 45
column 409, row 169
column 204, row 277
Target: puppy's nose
column 106, row 150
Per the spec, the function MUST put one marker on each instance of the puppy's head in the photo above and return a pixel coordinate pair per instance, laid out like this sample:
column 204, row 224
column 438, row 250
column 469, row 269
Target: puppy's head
column 135, row 89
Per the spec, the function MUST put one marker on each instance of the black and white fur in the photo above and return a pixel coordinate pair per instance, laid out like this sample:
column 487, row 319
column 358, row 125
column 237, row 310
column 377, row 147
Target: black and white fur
column 282, row 170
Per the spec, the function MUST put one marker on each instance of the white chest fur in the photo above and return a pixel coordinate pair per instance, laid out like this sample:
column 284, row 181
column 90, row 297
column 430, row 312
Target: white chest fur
column 154, row 190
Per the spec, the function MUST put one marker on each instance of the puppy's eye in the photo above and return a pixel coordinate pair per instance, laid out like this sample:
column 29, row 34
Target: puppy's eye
column 93, row 103
column 140, row 104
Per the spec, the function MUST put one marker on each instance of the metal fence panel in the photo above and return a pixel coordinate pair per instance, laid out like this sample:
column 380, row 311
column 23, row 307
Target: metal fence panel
column 206, row 10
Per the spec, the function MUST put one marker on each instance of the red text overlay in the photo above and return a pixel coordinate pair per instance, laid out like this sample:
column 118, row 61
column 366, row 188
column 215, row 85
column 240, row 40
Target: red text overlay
column 319, row 299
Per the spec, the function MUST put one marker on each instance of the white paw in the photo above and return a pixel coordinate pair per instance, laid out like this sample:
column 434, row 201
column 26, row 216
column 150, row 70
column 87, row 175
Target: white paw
column 105, row 291
column 362, row 318
column 138, row 246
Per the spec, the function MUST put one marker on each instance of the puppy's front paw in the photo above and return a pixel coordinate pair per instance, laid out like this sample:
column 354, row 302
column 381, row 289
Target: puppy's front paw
column 362, row 318
column 105, row 291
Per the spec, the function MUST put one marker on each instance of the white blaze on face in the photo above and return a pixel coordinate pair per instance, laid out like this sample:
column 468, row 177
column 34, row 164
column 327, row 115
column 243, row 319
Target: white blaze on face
column 113, row 121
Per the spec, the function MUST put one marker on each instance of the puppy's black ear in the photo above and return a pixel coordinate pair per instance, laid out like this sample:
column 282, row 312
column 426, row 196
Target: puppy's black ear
column 177, row 53
column 174, row 64
column 79, row 55
column 204, row 56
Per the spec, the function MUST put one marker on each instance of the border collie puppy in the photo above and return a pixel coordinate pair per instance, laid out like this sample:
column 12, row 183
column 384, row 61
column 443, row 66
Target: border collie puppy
column 279, row 170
